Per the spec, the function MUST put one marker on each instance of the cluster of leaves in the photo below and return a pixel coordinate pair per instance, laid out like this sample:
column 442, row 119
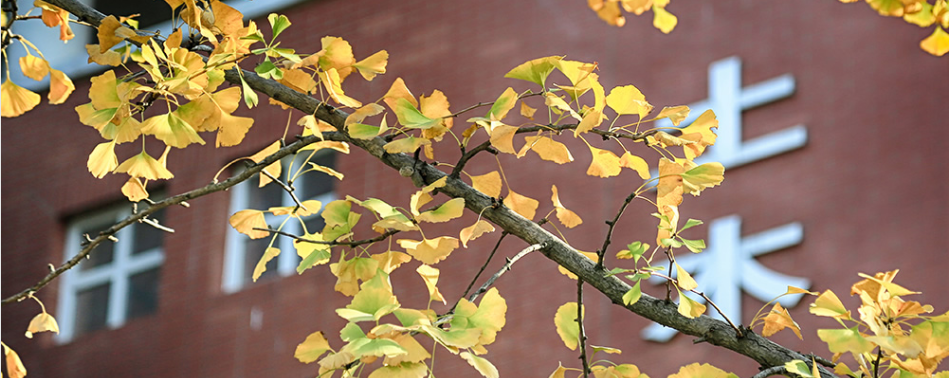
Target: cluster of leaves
column 611, row 11
column 923, row 13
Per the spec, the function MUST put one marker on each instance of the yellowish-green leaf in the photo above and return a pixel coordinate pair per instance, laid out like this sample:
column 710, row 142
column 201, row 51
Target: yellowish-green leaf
column 632, row 296
column 503, row 105
column 452, row 209
column 605, row 163
column 536, row 70
column 312, row 348
column 827, row 304
column 172, row 130
column 311, row 254
column 415, row 351
column 704, row 176
column 689, row 307
column 845, row 340
column 566, row 322
column 411, row 117
column 799, row 367
column 481, row 364
column 403, row 370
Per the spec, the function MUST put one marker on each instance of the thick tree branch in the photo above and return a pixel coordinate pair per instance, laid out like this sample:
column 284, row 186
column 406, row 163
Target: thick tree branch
column 716, row 332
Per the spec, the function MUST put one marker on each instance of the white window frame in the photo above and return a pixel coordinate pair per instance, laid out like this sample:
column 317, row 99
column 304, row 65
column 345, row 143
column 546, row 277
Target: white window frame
column 71, row 57
column 234, row 276
column 117, row 273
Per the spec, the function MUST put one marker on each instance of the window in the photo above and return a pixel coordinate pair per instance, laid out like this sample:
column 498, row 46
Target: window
column 243, row 253
column 118, row 282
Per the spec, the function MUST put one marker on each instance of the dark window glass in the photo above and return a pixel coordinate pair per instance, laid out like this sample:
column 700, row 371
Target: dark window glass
column 263, row 198
column 316, row 183
column 143, row 293
column 92, row 309
column 103, row 254
column 150, row 12
column 146, row 236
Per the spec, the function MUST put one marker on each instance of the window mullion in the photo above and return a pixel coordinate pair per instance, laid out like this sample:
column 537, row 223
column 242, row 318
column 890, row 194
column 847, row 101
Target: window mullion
column 118, row 294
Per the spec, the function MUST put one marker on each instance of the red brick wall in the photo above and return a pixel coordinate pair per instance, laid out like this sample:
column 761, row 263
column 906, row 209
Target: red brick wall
column 867, row 187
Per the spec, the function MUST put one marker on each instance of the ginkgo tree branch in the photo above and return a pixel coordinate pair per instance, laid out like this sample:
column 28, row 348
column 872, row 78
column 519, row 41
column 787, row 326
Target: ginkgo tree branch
column 355, row 243
column 175, row 200
column 507, row 266
column 715, row 332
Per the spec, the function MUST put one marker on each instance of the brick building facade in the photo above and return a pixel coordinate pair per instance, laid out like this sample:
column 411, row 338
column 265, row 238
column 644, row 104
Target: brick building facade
column 856, row 186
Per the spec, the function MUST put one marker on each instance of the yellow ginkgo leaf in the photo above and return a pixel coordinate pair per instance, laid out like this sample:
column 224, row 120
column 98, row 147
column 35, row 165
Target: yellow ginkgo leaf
column 406, row 145
column 535, row 71
column 700, row 133
column 605, row 163
column 675, row 114
column 527, row 111
column 430, row 276
column 546, row 148
column 134, row 190
column 590, row 255
column 374, row 65
column 261, row 267
column 689, row 307
column 16, row 100
column 172, row 130
column 452, row 209
column 360, row 114
column 482, row 365
column 108, row 58
column 331, row 82
column 568, row 218
column 559, row 105
column 707, row 175
column 247, row 221
column 232, row 129
column 684, row 280
column 60, row 87
column 53, row 16
column 390, row 260
column 779, row 319
column 663, row 20
column 307, row 208
column 523, row 205
column 34, row 67
column 503, row 105
column 566, row 322
column 488, row 183
column 502, row 138
column 474, row 231
column 312, row 348
column 102, row 160
column 635, row 163
column 273, row 169
column 937, row 43
column 15, row 368
column 396, row 91
column 430, row 251
column 145, row 166
column 591, row 119
column 628, row 100
column 696, row 370
column 609, row 12
column 42, row 322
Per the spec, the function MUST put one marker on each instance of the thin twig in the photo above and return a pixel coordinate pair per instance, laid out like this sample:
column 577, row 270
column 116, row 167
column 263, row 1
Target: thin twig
column 708, row 300
column 483, row 267
column 603, row 133
column 609, row 232
column 379, row 238
column 505, row 268
column 465, row 156
column 470, row 108
column 774, row 370
column 822, row 360
column 583, row 337
column 154, row 223
column 876, row 363
column 287, row 188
